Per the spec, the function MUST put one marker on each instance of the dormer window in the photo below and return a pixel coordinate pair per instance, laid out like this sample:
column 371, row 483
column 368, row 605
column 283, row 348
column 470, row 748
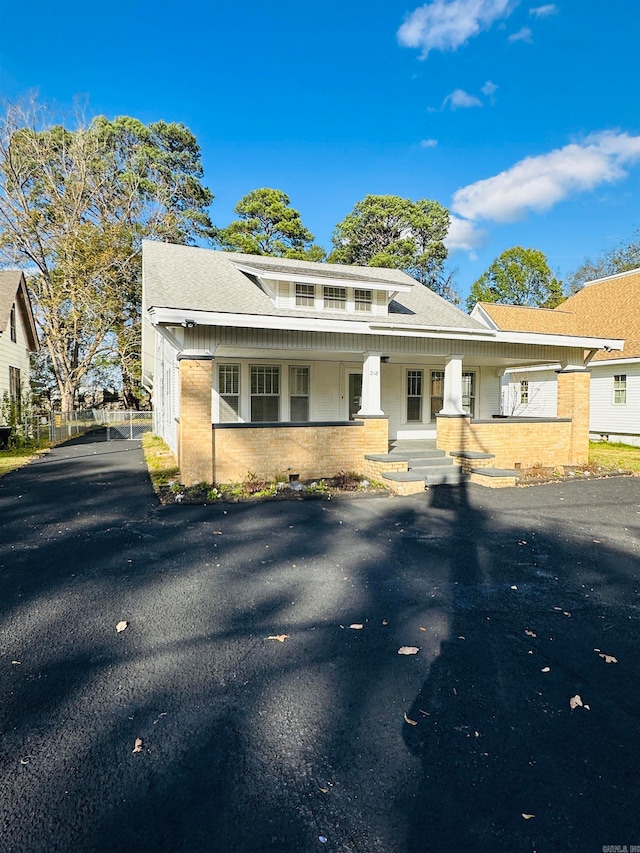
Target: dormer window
column 363, row 299
column 335, row 298
column 305, row 295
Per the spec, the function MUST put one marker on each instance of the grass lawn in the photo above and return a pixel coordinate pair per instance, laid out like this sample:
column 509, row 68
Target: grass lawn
column 16, row 458
column 161, row 463
column 612, row 455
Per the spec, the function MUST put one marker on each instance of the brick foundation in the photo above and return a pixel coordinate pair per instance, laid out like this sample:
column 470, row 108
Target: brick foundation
column 573, row 402
column 514, row 442
column 195, row 445
column 311, row 451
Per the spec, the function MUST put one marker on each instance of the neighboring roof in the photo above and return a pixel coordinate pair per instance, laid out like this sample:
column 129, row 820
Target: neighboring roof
column 611, row 307
column 188, row 278
column 519, row 318
column 605, row 308
column 13, row 289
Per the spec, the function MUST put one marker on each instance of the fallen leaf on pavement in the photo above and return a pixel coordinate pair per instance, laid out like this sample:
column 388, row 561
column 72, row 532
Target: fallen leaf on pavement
column 546, row 669
column 357, row 626
column 324, row 790
column 608, row 658
column 575, row 702
column 530, row 633
column 422, row 628
column 121, row 626
column 408, row 650
column 138, row 745
column 527, row 816
column 279, row 637
column 411, row 722
column 385, row 621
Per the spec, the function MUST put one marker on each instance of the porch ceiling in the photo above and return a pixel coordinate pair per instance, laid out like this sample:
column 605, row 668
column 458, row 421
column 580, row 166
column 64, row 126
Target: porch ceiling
column 286, row 354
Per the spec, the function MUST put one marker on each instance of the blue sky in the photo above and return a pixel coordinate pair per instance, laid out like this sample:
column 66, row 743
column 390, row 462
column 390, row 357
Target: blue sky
column 522, row 118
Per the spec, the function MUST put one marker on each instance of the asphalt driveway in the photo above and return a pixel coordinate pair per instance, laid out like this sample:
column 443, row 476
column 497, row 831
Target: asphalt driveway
column 268, row 719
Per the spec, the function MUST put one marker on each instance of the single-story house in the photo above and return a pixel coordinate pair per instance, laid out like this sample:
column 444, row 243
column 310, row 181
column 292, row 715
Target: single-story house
column 18, row 337
column 607, row 307
column 280, row 366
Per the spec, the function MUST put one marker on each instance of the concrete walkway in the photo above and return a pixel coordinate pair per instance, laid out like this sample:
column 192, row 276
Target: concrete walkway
column 328, row 739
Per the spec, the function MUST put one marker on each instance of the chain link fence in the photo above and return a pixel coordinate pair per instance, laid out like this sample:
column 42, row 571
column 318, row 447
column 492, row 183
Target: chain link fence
column 61, row 426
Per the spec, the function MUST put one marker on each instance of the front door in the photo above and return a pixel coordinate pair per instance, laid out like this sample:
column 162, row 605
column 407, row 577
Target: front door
column 355, row 394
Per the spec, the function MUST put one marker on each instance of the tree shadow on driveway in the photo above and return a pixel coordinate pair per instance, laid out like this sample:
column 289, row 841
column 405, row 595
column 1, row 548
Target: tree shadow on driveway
column 252, row 744
column 507, row 763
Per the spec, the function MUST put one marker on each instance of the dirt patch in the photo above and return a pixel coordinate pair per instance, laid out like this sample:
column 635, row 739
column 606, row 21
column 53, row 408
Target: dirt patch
column 565, row 473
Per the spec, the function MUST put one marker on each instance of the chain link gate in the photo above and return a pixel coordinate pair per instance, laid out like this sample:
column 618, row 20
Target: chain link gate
column 127, row 425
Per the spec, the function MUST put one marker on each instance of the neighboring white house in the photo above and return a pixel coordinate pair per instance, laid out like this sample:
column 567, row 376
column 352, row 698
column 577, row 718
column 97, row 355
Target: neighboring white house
column 608, row 307
column 18, row 336
column 266, row 363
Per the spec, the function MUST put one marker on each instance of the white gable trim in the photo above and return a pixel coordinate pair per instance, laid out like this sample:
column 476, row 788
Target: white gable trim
column 333, row 280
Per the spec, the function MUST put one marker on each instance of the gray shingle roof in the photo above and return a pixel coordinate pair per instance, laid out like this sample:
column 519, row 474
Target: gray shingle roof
column 194, row 279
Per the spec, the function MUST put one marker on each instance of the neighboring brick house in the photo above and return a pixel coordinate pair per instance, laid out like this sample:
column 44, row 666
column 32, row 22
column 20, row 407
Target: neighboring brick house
column 18, row 337
column 271, row 365
column 606, row 307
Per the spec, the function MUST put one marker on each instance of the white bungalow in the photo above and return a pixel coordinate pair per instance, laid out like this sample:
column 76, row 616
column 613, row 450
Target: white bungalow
column 271, row 365
column 18, row 337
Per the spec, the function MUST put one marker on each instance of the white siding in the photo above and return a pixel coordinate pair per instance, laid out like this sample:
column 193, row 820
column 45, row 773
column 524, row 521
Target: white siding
column 14, row 354
column 166, row 403
column 607, row 417
column 543, row 394
column 487, row 392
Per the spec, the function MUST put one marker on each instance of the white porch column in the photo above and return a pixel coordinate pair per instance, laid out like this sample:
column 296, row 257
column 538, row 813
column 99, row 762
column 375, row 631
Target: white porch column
column 371, row 385
column 452, row 398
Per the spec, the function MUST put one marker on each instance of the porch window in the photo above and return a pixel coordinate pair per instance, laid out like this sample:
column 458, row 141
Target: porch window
column 305, row 295
column 335, row 297
column 229, row 391
column 265, row 392
column 437, row 392
column 620, row 389
column 524, row 392
column 298, row 393
column 363, row 299
column 469, row 393
column 12, row 323
column 414, row 395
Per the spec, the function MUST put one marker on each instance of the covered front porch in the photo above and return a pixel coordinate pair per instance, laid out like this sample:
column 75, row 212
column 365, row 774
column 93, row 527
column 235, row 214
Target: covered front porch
column 226, row 451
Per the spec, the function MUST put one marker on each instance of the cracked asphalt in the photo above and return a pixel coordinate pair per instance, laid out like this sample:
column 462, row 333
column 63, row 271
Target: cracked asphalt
column 327, row 740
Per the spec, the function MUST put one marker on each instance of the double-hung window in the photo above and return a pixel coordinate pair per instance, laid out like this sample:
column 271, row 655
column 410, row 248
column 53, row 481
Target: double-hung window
column 437, row 392
column 524, row 392
column 305, row 295
column 335, row 298
column 363, row 299
column 469, row 393
column 414, row 395
column 265, row 392
column 229, row 392
column 15, row 389
column 298, row 393
column 620, row 389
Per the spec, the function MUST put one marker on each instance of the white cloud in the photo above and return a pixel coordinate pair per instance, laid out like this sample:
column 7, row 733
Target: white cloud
column 448, row 24
column 524, row 34
column 489, row 88
column 459, row 99
column 538, row 183
column 464, row 236
column 544, row 11
column 428, row 143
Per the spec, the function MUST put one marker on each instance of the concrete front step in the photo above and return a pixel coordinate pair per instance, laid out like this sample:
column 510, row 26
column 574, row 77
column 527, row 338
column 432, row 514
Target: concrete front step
column 494, row 478
column 431, row 476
